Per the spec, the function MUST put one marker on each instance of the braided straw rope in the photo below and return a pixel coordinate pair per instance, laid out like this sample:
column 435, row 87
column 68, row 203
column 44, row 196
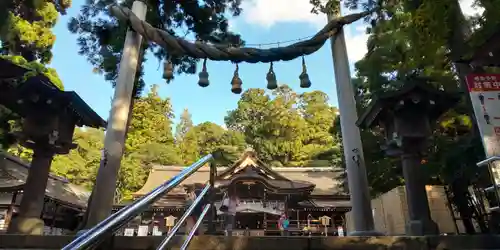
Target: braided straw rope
column 216, row 52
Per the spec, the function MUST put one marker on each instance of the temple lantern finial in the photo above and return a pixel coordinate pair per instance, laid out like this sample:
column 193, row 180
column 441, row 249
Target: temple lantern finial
column 168, row 70
column 236, row 82
column 203, row 75
column 304, row 77
column 271, row 78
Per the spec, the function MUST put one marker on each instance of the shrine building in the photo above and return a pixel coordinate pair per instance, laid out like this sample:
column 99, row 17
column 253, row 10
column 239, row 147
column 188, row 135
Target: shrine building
column 64, row 203
column 310, row 196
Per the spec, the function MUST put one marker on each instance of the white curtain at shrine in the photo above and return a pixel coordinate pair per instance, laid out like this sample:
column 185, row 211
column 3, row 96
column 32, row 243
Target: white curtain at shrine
column 254, row 207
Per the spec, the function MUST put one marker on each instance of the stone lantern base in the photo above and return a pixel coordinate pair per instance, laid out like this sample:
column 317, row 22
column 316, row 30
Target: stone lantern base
column 365, row 233
column 27, row 225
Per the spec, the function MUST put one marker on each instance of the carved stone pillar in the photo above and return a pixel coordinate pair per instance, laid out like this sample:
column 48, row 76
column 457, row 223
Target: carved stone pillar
column 28, row 221
column 420, row 222
column 407, row 117
column 47, row 133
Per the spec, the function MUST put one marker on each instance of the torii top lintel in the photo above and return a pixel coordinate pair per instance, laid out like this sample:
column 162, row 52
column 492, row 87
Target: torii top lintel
column 216, row 52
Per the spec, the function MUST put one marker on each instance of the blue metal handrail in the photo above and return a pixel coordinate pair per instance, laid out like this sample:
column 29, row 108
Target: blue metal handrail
column 195, row 227
column 183, row 218
column 113, row 223
column 488, row 161
column 495, row 187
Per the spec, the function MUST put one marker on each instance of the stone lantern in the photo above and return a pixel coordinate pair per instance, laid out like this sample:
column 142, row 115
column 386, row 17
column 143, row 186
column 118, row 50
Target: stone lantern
column 406, row 118
column 49, row 119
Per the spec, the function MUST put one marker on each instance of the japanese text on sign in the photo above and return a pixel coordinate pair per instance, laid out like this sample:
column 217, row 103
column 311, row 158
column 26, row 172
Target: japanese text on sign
column 483, row 82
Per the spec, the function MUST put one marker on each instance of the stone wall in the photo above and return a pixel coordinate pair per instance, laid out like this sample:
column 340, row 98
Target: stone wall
column 270, row 243
column 390, row 212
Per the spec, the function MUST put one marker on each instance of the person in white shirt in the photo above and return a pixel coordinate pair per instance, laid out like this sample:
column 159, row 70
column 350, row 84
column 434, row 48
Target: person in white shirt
column 233, row 202
column 191, row 220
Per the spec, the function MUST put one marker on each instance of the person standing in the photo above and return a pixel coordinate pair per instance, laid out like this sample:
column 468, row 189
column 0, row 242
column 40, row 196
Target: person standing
column 232, row 202
column 283, row 224
column 192, row 193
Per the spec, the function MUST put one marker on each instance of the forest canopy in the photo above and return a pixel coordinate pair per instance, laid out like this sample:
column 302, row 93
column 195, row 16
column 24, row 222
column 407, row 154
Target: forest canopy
column 283, row 127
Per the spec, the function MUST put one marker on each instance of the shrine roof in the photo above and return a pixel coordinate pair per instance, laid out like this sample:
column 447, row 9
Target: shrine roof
column 13, row 174
column 324, row 180
column 42, row 85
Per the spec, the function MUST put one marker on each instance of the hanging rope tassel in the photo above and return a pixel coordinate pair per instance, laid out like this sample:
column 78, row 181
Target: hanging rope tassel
column 271, row 78
column 236, row 82
column 168, row 71
column 203, row 75
column 304, row 77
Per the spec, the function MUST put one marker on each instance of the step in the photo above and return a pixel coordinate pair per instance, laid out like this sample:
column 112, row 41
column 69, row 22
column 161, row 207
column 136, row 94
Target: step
column 269, row 243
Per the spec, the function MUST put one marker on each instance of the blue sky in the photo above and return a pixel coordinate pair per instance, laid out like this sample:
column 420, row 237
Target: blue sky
column 262, row 21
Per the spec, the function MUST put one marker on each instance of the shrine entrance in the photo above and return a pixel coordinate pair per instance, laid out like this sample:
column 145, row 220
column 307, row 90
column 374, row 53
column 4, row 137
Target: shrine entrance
column 252, row 220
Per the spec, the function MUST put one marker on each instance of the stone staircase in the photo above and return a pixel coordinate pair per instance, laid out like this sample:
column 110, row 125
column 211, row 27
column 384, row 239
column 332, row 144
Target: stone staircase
column 269, row 243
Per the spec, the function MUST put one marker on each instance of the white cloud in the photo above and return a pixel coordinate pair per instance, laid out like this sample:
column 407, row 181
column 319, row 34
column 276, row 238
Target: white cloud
column 355, row 39
column 266, row 13
column 469, row 9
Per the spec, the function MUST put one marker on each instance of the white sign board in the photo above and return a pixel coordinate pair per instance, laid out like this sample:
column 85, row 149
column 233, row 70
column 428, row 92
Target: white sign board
column 156, row 231
column 128, row 232
column 340, row 231
column 484, row 90
column 143, row 230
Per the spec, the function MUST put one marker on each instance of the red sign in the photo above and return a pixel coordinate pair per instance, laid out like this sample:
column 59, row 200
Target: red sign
column 483, row 82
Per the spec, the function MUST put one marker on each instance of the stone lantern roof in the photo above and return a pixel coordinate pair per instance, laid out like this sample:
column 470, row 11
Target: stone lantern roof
column 16, row 88
column 436, row 101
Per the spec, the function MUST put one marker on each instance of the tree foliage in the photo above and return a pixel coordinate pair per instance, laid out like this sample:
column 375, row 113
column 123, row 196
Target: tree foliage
column 284, row 128
column 207, row 138
column 101, row 38
column 26, row 39
column 423, row 38
column 80, row 165
column 304, row 119
column 149, row 141
column 26, row 28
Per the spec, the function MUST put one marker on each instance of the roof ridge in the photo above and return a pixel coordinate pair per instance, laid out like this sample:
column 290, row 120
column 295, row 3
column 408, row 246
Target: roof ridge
column 22, row 163
column 285, row 169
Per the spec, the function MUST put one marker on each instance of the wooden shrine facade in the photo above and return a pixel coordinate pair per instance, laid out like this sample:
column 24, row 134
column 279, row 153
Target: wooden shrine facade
column 64, row 202
column 304, row 194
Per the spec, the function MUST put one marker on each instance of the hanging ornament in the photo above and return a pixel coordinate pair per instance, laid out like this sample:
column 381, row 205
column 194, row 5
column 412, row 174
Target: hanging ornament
column 304, row 77
column 168, row 70
column 203, row 75
column 236, row 82
column 271, row 78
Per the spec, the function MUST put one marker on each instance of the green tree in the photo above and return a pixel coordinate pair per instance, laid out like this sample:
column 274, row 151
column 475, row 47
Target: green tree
column 7, row 118
column 81, row 164
column 287, row 129
column 423, row 38
column 101, row 37
column 185, row 124
column 319, row 118
column 26, row 38
column 26, row 28
column 151, row 121
column 208, row 138
column 212, row 137
column 149, row 141
column 186, row 139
